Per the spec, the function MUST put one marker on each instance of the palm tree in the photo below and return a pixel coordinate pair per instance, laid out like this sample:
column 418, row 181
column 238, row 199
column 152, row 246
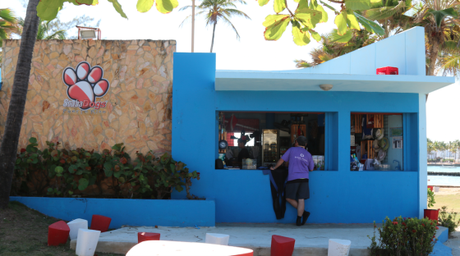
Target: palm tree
column 8, row 24
column 331, row 47
column 216, row 10
column 441, row 21
column 18, row 98
column 45, row 30
column 430, row 147
column 390, row 14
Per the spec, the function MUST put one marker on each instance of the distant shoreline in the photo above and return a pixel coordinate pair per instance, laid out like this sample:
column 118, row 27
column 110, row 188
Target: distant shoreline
column 443, row 164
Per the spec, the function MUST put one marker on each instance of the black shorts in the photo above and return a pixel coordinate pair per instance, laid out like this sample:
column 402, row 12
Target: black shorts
column 298, row 190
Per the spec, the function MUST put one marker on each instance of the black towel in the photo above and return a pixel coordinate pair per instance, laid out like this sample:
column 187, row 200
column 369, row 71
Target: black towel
column 277, row 185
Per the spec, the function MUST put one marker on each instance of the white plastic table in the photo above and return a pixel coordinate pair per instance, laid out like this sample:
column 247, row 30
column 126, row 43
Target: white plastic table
column 175, row 248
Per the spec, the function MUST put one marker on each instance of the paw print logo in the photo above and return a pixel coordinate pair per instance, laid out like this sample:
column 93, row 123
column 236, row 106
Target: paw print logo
column 85, row 84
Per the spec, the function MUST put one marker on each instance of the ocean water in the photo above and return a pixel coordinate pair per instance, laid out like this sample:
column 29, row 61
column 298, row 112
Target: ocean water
column 435, row 180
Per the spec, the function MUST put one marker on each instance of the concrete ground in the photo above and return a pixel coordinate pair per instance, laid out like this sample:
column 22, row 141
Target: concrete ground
column 454, row 242
column 311, row 239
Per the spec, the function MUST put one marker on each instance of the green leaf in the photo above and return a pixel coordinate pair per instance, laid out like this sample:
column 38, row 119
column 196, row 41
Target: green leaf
column 300, row 37
column 108, row 173
column 118, row 8
column 85, row 2
column 47, row 10
column 370, row 25
column 92, row 179
column 341, row 22
column 376, row 3
column 352, row 21
column 439, row 16
column 263, row 2
column 117, row 174
column 358, row 5
column 315, row 35
column 379, row 13
column 144, row 5
column 279, row 5
column 309, row 18
column 33, row 140
column 73, row 168
column 323, row 13
column 341, row 38
column 79, row 172
column 275, row 26
column 83, row 184
column 59, row 169
column 179, row 188
column 166, row 6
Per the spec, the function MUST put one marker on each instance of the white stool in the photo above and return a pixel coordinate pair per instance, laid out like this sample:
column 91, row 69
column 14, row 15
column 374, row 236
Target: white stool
column 338, row 247
column 74, row 225
column 213, row 238
column 87, row 242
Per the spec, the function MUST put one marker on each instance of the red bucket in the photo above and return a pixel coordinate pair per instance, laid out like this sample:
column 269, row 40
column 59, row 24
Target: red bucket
column 431, row 214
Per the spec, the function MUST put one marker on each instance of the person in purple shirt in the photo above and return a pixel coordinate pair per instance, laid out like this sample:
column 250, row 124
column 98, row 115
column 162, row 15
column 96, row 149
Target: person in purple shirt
column 297, row 189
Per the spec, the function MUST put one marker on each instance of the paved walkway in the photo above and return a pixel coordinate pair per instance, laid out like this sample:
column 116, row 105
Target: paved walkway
column 311, row 239
column 454, row 242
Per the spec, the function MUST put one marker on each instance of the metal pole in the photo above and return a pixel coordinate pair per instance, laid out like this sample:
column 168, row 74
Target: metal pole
column 193, row 24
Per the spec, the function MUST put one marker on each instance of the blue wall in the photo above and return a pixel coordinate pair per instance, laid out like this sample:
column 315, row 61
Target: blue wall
column 337, row 196
column 133, row 212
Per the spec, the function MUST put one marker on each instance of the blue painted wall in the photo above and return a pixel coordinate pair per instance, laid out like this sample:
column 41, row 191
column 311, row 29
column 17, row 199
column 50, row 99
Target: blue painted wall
column 133, row 212
column 337, row 196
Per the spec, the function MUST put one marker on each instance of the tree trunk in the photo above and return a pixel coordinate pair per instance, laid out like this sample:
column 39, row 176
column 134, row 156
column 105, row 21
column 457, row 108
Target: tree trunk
column 213, row 33
column 433, row 57
column 15, row 115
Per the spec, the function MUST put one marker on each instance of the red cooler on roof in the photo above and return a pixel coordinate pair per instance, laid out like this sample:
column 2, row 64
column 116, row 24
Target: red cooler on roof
column 387, row 71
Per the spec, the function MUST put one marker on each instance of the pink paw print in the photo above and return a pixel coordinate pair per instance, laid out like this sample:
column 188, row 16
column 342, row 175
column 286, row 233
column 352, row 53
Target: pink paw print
column 85, row 84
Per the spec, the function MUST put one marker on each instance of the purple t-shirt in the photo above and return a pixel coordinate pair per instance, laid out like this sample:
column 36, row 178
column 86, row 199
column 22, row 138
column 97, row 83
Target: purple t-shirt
column 300, row 162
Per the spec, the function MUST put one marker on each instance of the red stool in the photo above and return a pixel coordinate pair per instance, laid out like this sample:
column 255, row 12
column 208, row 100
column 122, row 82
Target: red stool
column 282, row 246
column 58, row 233
column 101, row 223
column 144, row 236
column 387, row 71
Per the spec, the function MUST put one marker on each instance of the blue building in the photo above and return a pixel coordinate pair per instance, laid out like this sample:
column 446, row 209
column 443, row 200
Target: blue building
column 293, row 103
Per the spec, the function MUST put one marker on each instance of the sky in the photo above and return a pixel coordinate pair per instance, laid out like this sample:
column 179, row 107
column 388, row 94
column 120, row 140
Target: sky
column 251, row 52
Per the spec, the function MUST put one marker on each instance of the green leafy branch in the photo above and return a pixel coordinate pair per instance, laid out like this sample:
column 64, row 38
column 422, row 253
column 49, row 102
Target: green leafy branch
column 311, row 12
column 48, row 9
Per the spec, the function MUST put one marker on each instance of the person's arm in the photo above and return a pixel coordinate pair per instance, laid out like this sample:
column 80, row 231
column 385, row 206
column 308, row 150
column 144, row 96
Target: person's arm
column 280, row 162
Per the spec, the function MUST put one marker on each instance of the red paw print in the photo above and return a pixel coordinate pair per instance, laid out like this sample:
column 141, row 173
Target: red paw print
column 85, row 84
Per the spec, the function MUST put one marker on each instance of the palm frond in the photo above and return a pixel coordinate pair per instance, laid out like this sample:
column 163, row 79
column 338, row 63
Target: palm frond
column 215, row 10
column 231, row 24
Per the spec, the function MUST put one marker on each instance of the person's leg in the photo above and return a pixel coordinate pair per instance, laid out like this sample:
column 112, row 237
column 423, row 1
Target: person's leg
column 300, row 207
column 293, row 202
column 291, row 193
column 304, row 193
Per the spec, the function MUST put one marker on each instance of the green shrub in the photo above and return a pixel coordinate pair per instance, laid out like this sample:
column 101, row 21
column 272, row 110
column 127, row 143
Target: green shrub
column 430, row 198
column 404, row 236
column 56, row 172
column 447, row 219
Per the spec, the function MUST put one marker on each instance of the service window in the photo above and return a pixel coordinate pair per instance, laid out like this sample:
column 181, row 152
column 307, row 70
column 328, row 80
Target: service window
column 263, row 137
column 376, row 142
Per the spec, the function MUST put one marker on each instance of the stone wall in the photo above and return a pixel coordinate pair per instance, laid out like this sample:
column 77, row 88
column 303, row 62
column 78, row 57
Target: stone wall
column 137, row 108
